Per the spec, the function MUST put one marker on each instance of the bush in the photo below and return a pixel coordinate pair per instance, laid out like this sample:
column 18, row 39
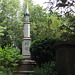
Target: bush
column 46, row 69
column 8, row 57
column 42, row 50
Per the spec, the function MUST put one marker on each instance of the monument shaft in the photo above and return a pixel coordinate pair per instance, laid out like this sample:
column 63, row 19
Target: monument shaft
column 26, row 40
column 27, row 29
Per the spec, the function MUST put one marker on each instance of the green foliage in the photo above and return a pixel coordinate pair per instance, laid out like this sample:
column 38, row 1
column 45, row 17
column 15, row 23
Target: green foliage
column 8, row 57
column 46, row 69
column 1, row 30
column 9, row 18
column 54, row 24
column 68, row 27
column 5, row 39
column 42, row 50
column 67, row 6
column 42, row 23
column 38, row 19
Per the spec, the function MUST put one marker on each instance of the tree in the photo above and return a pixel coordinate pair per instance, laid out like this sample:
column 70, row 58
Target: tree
column 67, row 6
column 43, row 23
column 61, row 6
column 1, row 30
column 42, row 50
column 68, row 27
column 65, row 11
column 8, row 57
column 10, row 19
column 38, row 21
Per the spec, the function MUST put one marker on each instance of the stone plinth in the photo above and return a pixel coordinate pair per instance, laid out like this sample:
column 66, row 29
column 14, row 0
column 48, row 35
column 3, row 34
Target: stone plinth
column 25, row 67
column 65, row 57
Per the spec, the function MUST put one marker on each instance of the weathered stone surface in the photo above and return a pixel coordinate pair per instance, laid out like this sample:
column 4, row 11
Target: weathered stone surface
column 26, row 30
column 65, row 57
column 26, row 46
column 26, row 40
column 25, row 67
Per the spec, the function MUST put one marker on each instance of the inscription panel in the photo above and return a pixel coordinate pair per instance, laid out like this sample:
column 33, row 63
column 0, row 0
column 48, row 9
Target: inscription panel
column 26, row 47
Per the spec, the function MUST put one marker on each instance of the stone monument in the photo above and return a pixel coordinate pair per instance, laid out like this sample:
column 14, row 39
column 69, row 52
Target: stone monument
column 26, row 40
column 26, row 66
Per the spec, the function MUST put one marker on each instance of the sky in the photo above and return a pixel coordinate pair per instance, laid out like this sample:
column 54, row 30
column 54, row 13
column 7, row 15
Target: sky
column 40, row 2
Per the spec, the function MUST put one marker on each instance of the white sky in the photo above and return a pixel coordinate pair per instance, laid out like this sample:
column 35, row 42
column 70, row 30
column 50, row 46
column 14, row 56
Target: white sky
column 40, row 2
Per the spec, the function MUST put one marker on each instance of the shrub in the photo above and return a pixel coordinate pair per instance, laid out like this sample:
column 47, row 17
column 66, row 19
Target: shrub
column 42, row 50
column 8, row 57
column 46, row 69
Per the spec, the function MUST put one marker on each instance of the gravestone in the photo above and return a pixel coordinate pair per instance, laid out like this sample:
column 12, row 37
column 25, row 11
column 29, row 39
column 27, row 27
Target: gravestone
column 65, row 57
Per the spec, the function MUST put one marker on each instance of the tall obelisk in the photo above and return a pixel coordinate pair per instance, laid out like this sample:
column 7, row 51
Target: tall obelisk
column 26, row 40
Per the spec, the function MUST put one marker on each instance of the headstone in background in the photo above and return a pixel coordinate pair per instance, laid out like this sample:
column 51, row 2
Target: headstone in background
column 65, row 57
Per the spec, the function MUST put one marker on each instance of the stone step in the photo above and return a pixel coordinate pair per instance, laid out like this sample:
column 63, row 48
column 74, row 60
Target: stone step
column 26, row 65
column 28, row 62
column 27, row 57
column 23, row 72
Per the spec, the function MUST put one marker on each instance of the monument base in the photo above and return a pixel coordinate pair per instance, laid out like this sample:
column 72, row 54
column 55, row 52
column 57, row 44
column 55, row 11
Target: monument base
column 25, row 67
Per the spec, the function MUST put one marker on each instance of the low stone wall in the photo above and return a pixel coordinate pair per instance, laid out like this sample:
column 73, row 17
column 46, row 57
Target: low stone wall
column 65, row 57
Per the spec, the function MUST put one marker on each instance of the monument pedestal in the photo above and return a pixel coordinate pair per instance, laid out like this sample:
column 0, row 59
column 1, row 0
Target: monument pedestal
column 25, row 67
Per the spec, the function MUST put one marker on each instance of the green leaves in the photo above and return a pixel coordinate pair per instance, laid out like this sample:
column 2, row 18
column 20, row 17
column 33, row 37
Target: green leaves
column 10, row 18
column 68, row 27
column 56, row 23
column 46, row 69
column 1, row 30
column 42, row 50
column 8, row 57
